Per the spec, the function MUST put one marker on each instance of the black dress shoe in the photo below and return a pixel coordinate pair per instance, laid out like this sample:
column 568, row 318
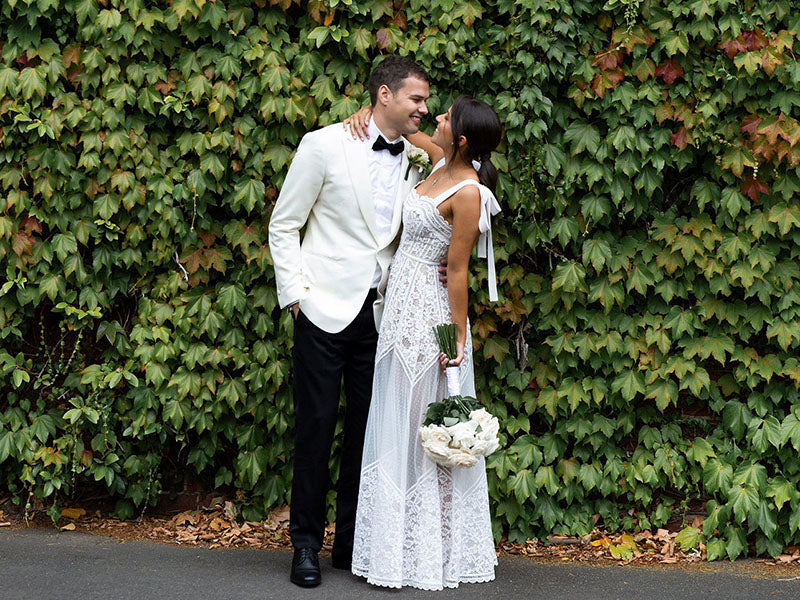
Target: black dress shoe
column 305, row 568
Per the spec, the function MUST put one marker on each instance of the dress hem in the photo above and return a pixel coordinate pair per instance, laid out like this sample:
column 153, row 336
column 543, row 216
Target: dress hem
column 485, row 578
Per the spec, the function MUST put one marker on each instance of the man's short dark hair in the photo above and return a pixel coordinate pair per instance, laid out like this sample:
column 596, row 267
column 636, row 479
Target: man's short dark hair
column 391, row 72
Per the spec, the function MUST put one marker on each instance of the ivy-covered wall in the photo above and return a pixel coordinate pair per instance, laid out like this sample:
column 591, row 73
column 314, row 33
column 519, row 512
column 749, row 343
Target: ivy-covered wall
column 643, row 355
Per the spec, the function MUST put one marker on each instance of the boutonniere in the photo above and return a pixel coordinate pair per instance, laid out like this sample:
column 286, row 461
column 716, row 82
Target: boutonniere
column 417, row 157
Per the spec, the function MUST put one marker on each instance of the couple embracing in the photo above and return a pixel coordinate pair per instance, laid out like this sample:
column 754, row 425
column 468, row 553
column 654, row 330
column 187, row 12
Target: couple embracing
column 401, row 519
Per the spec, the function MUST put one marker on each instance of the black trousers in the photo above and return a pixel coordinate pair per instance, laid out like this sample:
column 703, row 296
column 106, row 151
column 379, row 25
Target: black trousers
column 321, row 361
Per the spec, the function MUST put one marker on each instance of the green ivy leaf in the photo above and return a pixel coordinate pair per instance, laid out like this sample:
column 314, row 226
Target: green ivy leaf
column 584, row 137
column 688, row 538
column 569, row 276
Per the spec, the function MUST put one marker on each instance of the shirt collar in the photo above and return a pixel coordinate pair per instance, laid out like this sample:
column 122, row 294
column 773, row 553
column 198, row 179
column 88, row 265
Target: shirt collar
column 374, row 132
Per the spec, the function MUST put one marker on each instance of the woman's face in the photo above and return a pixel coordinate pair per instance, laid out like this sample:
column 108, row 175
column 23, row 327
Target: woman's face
column 443, row 135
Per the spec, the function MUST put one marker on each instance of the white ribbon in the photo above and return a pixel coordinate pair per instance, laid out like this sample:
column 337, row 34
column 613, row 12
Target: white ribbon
column 453, row 381
column 489, row 207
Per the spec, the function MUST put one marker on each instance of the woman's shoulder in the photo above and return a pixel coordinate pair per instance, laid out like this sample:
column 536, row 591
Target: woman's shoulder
column 468, row 194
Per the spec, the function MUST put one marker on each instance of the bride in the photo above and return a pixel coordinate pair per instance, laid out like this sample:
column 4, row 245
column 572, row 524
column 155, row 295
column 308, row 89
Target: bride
column 420, row 524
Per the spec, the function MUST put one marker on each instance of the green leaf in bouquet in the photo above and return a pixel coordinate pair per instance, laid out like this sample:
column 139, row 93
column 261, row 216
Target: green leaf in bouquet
column 434, row 413
column 449, row 421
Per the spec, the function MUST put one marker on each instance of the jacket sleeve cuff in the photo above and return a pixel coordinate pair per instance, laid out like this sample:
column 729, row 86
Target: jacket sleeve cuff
column 288, row 298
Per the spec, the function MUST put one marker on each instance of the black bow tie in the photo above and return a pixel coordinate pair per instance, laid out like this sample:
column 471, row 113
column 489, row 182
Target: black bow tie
column 382, row 144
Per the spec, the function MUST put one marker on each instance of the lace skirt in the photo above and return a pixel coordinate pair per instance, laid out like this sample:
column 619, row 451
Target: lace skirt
column 418, row 524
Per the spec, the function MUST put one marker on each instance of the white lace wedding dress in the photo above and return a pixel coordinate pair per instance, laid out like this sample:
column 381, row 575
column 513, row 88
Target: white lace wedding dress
column 418, row 524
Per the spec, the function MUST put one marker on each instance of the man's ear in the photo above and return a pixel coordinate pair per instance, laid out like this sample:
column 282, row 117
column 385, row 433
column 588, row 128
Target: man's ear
column 384, row 95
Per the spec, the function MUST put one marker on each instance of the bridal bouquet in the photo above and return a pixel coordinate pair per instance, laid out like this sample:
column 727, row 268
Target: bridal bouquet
column 456, row 431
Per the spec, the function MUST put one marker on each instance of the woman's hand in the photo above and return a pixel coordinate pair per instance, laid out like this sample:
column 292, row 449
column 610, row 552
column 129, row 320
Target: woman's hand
column 454, row 362
column 357, row 123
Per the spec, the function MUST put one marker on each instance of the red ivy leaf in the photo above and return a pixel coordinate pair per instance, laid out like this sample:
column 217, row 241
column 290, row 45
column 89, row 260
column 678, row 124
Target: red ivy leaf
column 782, row 149
column 791, row 132
column 21, row 243
column 770, row 59
column 754, row 40
column 31, row 224
column 165, row 87
column 606, row 80
column 632, row 37
column 733, row 47
column 664, row 111
column 193, row 261
column 72, row 55
column 684, row 114
column 260, row 254
column 669, row 71
column 608, row 59
column 382, row 38
column 771, row 128
column 215, row 259
column 680, row 138
column 753, row 188
column 93, row 188
column 314, row 10
column 73, row 74
column 401, row 20
column 764, row 148
column 248, row 234
column 750, row 123
column 207, row 237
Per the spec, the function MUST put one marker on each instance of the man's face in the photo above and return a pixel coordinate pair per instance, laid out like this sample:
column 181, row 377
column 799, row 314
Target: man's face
column 406, row 107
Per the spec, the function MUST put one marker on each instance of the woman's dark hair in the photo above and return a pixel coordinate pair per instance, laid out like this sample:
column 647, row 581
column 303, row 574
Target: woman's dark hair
column 480, row 125
column 391, row 72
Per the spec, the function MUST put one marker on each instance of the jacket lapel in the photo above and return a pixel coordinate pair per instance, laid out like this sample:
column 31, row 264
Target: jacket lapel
column 358, row 168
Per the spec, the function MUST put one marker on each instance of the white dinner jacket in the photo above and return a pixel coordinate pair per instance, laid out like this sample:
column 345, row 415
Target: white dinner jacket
column 328, row 190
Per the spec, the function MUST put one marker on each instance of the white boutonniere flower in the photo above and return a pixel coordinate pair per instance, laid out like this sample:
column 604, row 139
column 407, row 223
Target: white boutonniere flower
column 417, row 157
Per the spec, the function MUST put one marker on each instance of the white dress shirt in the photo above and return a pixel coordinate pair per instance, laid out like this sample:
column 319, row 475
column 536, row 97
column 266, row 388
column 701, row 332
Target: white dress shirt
column 384, row 174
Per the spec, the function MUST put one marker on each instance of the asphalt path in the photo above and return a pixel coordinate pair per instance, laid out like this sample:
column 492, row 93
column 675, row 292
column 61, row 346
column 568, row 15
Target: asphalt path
column 42, row 564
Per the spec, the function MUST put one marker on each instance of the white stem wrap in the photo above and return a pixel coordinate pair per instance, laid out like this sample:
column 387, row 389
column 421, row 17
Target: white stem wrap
column 453, row 381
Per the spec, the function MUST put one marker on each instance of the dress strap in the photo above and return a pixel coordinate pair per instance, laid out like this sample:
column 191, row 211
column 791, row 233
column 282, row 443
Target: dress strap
column 438, row 199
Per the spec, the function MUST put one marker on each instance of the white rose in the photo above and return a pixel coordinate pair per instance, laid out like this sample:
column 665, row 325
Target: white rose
column 489, row 430
column 493, row 445
column 435, row 440
column 463, row 434
column 418, row 154
column 434, row 433
column 463, row 459
column 438, row 452
column 481, row 416
column 482, row 447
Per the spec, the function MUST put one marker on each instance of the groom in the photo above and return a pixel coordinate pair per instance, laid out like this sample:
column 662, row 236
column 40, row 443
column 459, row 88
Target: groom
column 347, row 193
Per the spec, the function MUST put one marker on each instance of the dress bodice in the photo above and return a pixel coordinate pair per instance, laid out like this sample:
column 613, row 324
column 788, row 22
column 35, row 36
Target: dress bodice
column 426, row 234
